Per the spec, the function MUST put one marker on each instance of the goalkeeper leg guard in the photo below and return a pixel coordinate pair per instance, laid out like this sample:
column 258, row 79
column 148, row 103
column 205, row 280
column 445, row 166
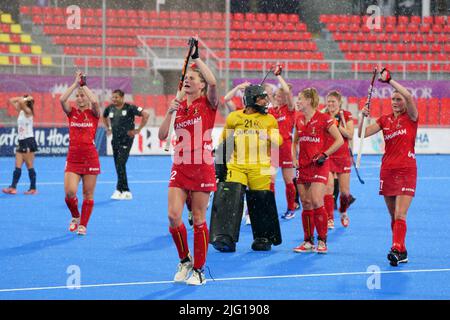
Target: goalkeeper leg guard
column 226, row 214
column 264, row 216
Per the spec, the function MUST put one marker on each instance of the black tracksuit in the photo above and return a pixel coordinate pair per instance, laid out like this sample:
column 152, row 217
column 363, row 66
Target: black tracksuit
column 122, row 121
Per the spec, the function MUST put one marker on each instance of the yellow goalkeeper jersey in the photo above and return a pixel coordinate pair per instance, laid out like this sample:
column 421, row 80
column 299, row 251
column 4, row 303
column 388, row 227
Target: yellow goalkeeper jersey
column 255, row 137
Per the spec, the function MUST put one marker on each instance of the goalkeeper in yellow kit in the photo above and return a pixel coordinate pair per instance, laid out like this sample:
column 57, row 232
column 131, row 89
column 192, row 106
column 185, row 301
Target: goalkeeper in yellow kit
column 249, row 147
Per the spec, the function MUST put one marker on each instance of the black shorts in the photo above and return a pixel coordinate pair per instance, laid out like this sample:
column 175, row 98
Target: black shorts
column 27, row 145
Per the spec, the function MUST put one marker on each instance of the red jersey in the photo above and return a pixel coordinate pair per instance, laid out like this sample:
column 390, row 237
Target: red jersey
column 312, row 136
column 238, row 103
column 342, row 152
column 193, row 127
column 82, row 129
column 400, row 138
column 285, row 119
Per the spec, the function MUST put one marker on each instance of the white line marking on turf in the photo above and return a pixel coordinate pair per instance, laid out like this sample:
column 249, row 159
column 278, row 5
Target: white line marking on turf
column 231, row 279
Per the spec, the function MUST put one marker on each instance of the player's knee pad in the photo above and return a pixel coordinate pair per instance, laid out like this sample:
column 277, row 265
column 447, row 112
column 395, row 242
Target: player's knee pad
column 263, row 213
column 226, row 216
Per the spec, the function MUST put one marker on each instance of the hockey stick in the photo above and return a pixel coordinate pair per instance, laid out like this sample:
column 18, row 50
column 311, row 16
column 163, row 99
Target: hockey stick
column 267, row 74
column 350, row 149
column 363, row 130
column 354, row 165
column 179, row 94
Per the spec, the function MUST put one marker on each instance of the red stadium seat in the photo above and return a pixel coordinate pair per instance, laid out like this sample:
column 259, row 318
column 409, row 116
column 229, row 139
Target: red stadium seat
column 423, row 110
column 238, row 16
column 437, row 28
column 391, row 20
column 445, row 112
column 375, row 107
column 416, row 19
column 427, row 20
column 440, row 20
column 403, row 20
column 433, row 111
column 424, row 28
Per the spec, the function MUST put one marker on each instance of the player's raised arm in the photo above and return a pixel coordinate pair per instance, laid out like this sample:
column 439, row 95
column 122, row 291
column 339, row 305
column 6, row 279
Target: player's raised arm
column 63, row 99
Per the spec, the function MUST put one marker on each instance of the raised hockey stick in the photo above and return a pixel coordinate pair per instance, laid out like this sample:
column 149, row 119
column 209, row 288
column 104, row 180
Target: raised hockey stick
column 179, row 94
column 350, row 149
column 363, row 130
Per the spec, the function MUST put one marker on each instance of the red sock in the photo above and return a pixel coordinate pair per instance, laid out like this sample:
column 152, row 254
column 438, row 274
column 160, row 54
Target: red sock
column 344, row 203
column 290, row 196
column 399, row 235
column 201, row 240
column 321, row 222
column 86, row 210
column 72, row 204
column 189, row 201
column 272, row 186
column 308, row 224
column 179, row 236
column 329, row 205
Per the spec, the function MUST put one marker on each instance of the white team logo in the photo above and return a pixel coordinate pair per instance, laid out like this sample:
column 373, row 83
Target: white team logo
column 111, row 114
column 124, row 113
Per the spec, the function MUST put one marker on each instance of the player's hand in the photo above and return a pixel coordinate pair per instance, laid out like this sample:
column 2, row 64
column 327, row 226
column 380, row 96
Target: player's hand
column 365, row 111
column 195, row 54
column 385, row 76
column 132, row 133
column 277, row 70
column 108, row 131
column 319, row 159
column 82, row 82
column 78, row 75
column 295, row 162
column 174, row 106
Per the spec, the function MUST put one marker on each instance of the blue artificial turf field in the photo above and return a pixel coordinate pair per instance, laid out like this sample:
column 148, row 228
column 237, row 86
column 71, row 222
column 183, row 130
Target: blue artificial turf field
column 128, row 252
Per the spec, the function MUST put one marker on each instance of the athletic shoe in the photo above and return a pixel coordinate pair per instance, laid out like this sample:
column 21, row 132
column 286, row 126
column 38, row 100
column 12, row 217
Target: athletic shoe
column 306, row 246
column 183, row 271
column 126, row 195
column 321, row 247
column 190, row 218
column 330, row 224
column 81, row 230
column 9, row 190
column 197, row 278
column 74, row 224
column 261, row 244
column 288, row 215
column 31, row 191
column 345, row 220
column 224, row 243
column 395, row 257
column 117, row 195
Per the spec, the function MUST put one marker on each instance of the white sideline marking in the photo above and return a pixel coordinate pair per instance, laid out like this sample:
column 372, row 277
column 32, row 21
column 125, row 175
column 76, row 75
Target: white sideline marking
column 229, row 279
column 167, row 181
